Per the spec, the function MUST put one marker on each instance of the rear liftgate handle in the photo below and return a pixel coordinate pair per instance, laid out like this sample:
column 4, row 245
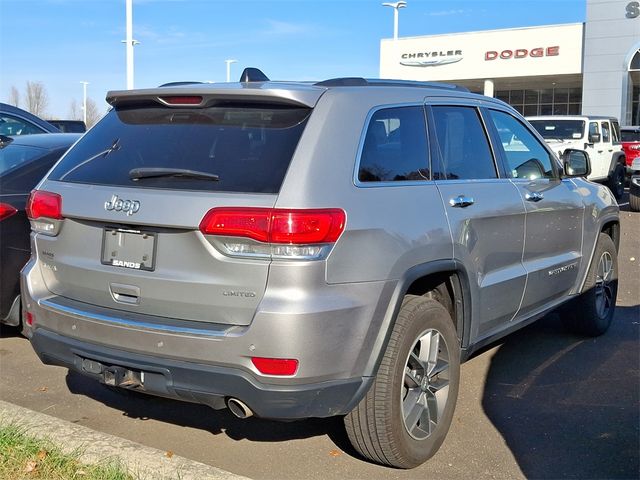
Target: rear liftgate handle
column 461, row 201
column 128, row 294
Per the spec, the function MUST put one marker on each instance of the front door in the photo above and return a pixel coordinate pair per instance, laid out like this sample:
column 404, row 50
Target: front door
column 554, row 214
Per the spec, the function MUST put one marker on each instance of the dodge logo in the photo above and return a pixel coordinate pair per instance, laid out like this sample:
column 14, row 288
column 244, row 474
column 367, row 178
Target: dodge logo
column 117, row 204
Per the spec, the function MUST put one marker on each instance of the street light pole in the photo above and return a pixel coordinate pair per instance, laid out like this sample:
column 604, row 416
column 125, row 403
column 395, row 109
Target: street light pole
column 129, row 42
column 84, row 101
column 396, row 6
column 229, row 62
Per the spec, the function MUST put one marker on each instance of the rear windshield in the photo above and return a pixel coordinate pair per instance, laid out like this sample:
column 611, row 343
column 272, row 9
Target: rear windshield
column 248, row 148
column 630, row 136
column 12, row 156
column 559, row 129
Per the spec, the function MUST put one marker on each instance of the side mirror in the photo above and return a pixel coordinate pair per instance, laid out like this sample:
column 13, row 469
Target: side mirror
column 594, row 138
column 576, row 163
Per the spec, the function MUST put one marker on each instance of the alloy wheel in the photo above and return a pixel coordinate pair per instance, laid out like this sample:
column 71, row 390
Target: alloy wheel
column 425, row 387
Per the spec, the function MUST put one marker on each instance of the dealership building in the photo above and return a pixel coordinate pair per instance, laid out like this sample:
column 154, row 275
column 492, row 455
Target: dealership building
column 590, row 68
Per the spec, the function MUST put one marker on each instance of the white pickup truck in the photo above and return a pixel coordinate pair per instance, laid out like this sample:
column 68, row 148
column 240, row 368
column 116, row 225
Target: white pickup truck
column 598, row 136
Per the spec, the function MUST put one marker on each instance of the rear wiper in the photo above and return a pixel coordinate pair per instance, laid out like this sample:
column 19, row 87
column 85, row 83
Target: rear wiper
column 155, row 172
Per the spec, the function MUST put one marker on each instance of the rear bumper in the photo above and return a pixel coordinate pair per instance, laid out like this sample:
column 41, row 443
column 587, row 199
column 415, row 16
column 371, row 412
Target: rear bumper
column 332, row 334
column 205, row 384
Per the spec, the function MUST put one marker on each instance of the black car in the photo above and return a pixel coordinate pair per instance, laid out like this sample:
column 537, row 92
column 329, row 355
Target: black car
column 24, row 160
column 69, row 126
column 15, row 121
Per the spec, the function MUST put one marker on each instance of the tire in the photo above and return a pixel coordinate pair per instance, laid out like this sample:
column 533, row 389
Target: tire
column 377, row 427
column 616, row 181
column 634, row 197
column 592, row 312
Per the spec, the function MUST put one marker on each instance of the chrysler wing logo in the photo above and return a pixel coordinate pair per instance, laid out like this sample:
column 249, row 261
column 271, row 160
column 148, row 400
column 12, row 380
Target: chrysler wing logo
column 430, row 59
column 431, row 62
column 118, row 205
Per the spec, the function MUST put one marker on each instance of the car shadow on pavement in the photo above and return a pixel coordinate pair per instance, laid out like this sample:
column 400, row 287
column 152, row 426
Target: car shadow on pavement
column 567, row 406
column 144, row 407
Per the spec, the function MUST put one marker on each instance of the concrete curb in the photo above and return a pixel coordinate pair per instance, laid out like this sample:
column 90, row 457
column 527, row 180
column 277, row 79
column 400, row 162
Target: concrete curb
column 144, row 463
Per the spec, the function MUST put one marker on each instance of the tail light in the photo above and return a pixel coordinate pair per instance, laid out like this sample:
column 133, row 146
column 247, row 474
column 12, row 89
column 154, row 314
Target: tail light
column 273, row 232
column 44, row 209
column 6, row 211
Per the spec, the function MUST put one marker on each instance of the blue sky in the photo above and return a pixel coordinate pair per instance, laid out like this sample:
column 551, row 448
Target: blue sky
column 62, row 42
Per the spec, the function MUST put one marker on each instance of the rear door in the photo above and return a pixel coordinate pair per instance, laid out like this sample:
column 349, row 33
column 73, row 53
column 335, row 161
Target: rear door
column 554, row 213
column 486, row 215
column 130, row 238
column 597, row 152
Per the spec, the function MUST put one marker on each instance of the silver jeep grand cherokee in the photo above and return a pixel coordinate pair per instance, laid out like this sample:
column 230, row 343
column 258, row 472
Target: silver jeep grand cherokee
column 296, row 250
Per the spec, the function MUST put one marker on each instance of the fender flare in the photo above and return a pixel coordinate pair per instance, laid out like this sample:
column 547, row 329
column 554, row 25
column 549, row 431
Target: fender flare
column 616, row 158
column 463, row 306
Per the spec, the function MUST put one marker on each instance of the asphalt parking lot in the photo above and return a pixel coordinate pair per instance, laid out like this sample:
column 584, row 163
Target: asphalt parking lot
column 542, row 403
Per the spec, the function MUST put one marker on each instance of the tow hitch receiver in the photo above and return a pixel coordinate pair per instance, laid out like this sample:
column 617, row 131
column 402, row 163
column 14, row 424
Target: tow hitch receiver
column 115, row 376
column 122, row 377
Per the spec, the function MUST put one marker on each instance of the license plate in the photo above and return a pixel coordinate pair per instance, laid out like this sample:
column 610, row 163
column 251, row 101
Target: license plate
column 131, row 249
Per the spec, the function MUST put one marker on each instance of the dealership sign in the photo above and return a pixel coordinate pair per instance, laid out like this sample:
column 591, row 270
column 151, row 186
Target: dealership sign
column 431, row 59
column 508, row 54
column 633, row 10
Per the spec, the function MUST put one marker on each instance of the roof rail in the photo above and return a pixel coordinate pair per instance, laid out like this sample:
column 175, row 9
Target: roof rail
column 363, row 82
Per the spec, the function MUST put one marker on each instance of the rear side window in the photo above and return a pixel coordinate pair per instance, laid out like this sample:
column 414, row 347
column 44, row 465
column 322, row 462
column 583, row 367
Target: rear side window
column 10, row 125
column 462, row 143
column 395, row 146
column 606, row 136
column 248, row 148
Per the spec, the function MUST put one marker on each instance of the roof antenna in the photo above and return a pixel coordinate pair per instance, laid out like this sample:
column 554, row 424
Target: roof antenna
column 251, row 74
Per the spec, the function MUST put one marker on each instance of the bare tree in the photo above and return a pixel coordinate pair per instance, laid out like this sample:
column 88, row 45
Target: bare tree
column 37, row 98
column 93, row 114
column 75, row 112
column 14, row 97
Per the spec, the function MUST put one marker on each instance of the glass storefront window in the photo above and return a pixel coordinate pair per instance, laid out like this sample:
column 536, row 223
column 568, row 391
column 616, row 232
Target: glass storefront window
column 545, row 101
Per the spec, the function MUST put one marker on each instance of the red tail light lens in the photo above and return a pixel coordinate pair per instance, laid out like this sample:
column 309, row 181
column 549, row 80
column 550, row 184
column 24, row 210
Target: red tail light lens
column 279, row 226
column 300, row 227
column 238, row 222
column 275, row 366
column 44, row 204
column 6, row 211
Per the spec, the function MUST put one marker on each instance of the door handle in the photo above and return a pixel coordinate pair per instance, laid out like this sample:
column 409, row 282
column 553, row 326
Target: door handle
column 600, row 151
column 461, row 201
column 534, row 196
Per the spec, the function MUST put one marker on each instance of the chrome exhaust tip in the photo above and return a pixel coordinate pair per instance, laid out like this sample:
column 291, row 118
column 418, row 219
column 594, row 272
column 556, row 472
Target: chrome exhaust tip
column 239, row 408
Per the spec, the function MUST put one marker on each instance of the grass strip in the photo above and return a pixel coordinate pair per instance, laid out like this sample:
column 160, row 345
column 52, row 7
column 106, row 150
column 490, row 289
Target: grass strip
column 25, row 457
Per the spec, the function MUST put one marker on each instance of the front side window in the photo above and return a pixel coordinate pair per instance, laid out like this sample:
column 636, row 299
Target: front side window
column 526, row 156
column 395, row 146
column 462, row 143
